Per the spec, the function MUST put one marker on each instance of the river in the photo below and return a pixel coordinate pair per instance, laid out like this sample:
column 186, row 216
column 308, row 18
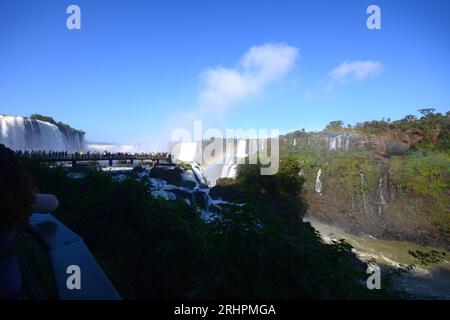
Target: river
column 427, row 282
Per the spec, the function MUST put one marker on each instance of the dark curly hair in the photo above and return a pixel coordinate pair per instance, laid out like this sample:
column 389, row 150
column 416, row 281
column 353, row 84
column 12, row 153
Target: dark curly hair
column 17, row 191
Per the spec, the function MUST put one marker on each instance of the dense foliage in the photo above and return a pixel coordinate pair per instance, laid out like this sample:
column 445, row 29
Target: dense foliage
column 391, row 181
column 152, row 248
column 432, row 130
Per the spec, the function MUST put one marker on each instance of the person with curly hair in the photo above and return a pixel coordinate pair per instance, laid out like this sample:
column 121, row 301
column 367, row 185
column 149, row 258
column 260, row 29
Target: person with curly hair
column 18, row 199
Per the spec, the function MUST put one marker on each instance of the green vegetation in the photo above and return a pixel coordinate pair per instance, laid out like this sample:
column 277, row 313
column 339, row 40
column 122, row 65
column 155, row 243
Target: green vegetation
column 152, row 248
column 408, row 160
column 185, row 165
column 63, row 126
column 429, row 132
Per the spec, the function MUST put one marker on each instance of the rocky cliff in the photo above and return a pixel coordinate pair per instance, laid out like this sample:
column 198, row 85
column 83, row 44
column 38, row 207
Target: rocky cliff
column 392, row 183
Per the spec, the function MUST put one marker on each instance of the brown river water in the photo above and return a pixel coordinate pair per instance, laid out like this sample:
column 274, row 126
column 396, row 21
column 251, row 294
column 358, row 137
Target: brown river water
column 426, row 282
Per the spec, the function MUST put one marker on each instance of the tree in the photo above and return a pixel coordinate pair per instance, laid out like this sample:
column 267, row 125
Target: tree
column 410, row 118
column 334, row 125
column 426, row 111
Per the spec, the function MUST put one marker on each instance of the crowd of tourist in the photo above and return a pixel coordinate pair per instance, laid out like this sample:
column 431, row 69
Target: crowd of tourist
column 89, row 155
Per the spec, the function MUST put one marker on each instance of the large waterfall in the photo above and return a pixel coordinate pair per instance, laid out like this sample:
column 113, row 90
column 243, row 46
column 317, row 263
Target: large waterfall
column 20, row 133
column 226, row 161
column 231, row 160
column 222, row 165
column 188, row 152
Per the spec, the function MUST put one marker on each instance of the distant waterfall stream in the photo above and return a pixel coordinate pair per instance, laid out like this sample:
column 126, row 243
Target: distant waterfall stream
column 363, row 192
column 318, row 187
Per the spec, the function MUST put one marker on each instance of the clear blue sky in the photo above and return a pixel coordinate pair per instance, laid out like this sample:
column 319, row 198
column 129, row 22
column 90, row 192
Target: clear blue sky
column 134, row 64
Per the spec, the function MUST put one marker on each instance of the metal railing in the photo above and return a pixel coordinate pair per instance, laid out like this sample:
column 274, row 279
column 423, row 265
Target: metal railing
column 76, row 273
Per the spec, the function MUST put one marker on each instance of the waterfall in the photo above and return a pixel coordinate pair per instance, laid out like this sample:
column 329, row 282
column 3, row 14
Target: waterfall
column 241, row 149
column 232, row 158
column 187, row 152
column 380, row 189
column 225, row 161
column 361, row 175
column 20, row 133
column 319, row 182
column 229, row 166
column 199, row 173
column 295, row 142
column 332, row 143
column 347, row 142
column 224, row 164
column 382, row 199
column 335, row 143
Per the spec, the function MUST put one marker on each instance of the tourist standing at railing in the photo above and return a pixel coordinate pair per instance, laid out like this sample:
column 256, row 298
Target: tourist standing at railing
column 18, row 199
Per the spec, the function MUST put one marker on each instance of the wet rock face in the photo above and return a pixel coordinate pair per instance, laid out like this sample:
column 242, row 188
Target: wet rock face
column 373, row 203
column 186, row 185
column 173, row 175
column 175, row 183
column 183, row 194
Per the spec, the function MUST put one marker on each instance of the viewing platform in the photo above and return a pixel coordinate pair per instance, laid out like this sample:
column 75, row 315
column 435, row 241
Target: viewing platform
column 157, row 159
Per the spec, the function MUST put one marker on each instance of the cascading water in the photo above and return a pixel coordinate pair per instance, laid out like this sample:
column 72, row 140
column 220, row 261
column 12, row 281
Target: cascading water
column 339, row 142
column 295, row 142
column 20, row 133
column 347, row 142
column 382, row 199
column 361, row 176
column 187, row 152
column 335, row 143
column 224, row 164
column 200, row 174
column 231, row 160
column 332, row 143
column 319, row 182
